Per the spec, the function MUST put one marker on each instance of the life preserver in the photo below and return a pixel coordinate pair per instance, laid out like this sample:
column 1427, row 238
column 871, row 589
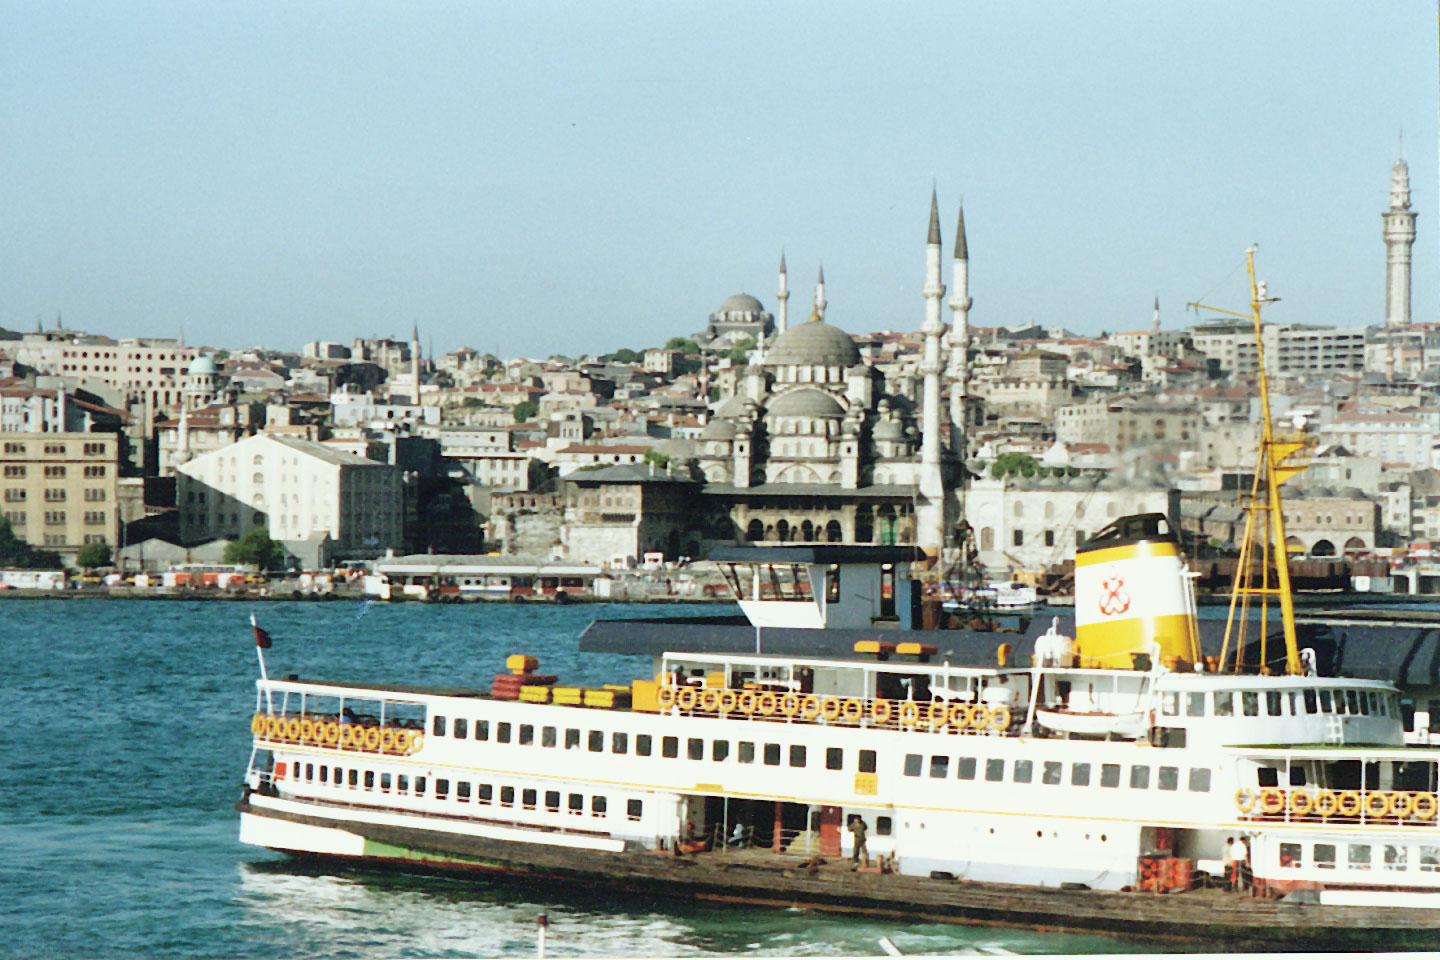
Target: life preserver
column 790, row 704
column 1326, row 802
column 830, row 708
column 980, row 719
column 372, row 738
column 347, row 734
column 710, row 700
column 665, row 696
column 307, row 730
column 1300, row 802
column 1348, row 804
column 810, row 707
column 1272, row 801
column 1244, row 800
column 727, row 700
column 417, row 740
column 746, row 701
column 909, row 713
column 1402, row 804
column 1377, row 804
column 387, row 740
column 257, row 723
column 274, row 727
column 966, row 715
column 854, row 710
column 933, row 716
column 686, row 698
column 880, row 711
column 332, row 733
column 1424, row 806
column 292, row 728
column 766, row 703
column 1000, row 718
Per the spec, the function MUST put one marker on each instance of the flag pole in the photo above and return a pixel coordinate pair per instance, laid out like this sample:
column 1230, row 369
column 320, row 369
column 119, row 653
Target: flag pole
column 260, row 655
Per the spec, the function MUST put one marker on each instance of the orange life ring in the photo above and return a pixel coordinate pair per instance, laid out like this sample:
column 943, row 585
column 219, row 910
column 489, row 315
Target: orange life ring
column 710, row 699
column 933, row 716
column 1300, row 802
column 332, row 733
column 1000, row 718
column 980, row 719
column 880, row 711
column 686, row 698
column 810, row 707
column 1348, row 804
column 347, row 734
column 1383, row 807
column 830, row 708
column 372, row 738
column 257, row 723
column 966, row 717
column 957, row 717
column 1272, row 801
column 766, row 703
column 909, row 713
column 307, row 730
column 274, row 726
column 790, row 704
column 665, row 696
column 1326, row 803
column 1424, row 806
column 387, row 740
column 727, row 700
column 1244, row 800
column 416, row 741
column 1402, row 804
column 746, row 701
column 853, row 710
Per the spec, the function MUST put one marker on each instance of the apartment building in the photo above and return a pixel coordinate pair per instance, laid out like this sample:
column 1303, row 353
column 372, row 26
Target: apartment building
column 60, row 489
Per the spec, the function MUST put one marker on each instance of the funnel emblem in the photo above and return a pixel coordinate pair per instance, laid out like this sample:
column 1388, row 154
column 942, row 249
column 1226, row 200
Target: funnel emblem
column 1114, row 600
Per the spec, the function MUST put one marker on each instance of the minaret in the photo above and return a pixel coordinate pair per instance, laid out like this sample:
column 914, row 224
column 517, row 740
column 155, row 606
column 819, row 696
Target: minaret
column 415, row 360
column 930, row 511
column 1399, row 235
column 182, row 448
column 960, row 303
column 1155, row 323
column 820, row 295
column 782, row 294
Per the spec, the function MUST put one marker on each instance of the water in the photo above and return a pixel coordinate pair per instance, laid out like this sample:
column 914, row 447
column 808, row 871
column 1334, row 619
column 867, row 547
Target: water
column 122, row 760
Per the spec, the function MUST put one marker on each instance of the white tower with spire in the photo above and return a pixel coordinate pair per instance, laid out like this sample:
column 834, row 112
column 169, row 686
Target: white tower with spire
column 930, row 511
column 1155, row 321
column 415, row 360
column 820, row 294
column 960, row 303
column 1399, row 236
column 782, row 295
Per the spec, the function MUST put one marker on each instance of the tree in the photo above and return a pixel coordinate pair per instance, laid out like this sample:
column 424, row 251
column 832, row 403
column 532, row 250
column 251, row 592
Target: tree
column 525, row 410
column 741, row 350
column 625, row 355
column 256, row 548
column 93, row 555
column 1008, row 463
column 684, row 344
column 15, row 552
column 661, row 460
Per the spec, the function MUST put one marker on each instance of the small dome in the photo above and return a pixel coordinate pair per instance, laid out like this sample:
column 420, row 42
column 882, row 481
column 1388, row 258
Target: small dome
column 718, row 429
column 805, row 402
column 1320, row 493
column 1353, row 493
column 889, row 430
column 732, row 407
column 740, row 303
column 814, row 342
column 202, row 366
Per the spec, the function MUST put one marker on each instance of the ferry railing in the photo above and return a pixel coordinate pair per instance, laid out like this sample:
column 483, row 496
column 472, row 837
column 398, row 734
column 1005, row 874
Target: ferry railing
column 1362, row 807
column 943, row 716
column 394, row 738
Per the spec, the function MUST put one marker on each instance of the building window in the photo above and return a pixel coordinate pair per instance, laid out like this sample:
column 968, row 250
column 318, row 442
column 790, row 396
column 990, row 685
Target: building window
column 1018, row 538
column 14, row 470
column 54, row 471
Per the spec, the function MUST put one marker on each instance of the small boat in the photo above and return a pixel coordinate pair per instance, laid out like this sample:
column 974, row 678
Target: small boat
column 996, row 595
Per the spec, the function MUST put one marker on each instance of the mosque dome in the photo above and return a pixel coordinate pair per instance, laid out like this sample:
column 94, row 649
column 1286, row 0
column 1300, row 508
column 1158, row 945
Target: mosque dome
column 814, row 342
column 202, row 367
column 806, row 402
column 889, row 430
column 718, row 429
column 732, row 407
column 740, row 303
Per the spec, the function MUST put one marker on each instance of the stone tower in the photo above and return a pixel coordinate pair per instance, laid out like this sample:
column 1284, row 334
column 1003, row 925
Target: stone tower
column 1399, row 235
column 930, row 511
column 782, row 295
column 960, row 304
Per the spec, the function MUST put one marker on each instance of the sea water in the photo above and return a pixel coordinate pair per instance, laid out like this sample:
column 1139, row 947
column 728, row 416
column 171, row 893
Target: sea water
column 127, row 728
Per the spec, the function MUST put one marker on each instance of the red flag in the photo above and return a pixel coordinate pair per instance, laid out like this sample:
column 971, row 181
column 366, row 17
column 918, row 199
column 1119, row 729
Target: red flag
column 262, row 639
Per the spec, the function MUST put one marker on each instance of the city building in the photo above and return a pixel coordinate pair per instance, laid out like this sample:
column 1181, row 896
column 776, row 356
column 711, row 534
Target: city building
column 60, row 490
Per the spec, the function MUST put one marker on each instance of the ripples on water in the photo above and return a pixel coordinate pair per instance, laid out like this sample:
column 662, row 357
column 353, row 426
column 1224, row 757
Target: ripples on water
column 128, row 733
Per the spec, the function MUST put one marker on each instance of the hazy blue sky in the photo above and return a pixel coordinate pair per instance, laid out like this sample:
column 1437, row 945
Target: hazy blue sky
column 540, row 177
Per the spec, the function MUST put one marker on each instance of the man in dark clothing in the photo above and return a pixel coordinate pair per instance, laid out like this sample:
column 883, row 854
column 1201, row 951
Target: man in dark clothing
column 857, row 829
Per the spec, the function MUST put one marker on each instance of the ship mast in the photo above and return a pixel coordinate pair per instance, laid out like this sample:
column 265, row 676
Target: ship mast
column 1263, row 543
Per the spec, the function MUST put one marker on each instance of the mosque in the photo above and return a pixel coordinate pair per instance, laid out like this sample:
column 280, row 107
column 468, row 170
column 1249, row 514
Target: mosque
column 815, row 446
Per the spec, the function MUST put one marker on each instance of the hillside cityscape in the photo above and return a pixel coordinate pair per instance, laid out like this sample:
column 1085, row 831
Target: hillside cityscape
column 763, row 424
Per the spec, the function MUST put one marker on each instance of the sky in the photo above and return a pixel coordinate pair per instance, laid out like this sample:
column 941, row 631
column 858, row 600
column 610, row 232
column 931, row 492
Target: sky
column 536, row 178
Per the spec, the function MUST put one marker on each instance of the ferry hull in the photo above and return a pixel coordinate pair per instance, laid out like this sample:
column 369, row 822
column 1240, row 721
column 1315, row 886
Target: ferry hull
column 1236, row 921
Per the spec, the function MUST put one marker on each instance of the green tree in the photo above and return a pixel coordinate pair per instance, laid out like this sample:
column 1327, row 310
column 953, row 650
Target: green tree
column 14, row 552
column 625, row 355
column 683, row 344
column 257, row 548
column 471, row 402
column 1008, row 463
column 741, row 350
column 526, row 410
column 661, row 460
column 93, row 555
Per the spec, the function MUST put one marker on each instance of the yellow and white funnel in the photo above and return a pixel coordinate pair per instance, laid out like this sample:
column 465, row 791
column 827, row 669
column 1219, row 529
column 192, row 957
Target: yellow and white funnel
column 1131, row 594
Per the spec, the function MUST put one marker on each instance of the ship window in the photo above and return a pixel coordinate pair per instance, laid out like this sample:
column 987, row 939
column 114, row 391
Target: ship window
column 597, row 741
column 502, row 733
column 834, row 758
column 634, row 808
column 1394, row 857
column 913, row 763
column 597, row 806
column 1250, row 703
column 1139, row 777
column 484, row 792
column 507, row 796
column 670, row 747
column 1297, row 775
column 719, row 750
column 1224, row 703
column 1272, row 703
column 1294, row 704
column 1052, row 771
column 1310, row 704
column 1359, row 856
column 772, row 754
column 369, row 779
column 619, row 742
column 1369, row 703
column 482, row 729
column 419, row 786
column 1325, row 856
column 552, row 801
column 1080, row 774
column 994, row 769
column 695, row 748
column 528, row 798
column 883, row 826
column 1022, row 771
column 462, row 789
column 324, row 774
column 577, row 803
column 1429, row 858
column 402, row 783
column 1170, row 703
column 1267, row 777
column 1290, row 855
column 1109, row 774
column 442, row 787
column 965, row 768
column 547, row 736
column 867, row 761
column 572, row 738
column 1199, row 779
column 385, row 781
column 354, row 777
column 1352, row 698
column 461, row 729
column 939, row 767
column 1326, row 705
column 747, row 752
column 1195, row 705
column 832, row 583
column 309, row 771
column 438, row 727
column 1169, row 778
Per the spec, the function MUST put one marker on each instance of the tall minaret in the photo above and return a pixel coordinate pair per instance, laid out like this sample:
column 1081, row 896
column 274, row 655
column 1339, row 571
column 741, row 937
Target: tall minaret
column 1399, row 235
column 930, row 511
column 960, row 303
column 415, row 360
column 1155, row 324
column 820, row 294
column 783, row 294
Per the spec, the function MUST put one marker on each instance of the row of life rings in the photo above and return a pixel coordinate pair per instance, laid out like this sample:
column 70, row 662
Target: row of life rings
column 1400, row 804
column 850, row 710
column 329, row 733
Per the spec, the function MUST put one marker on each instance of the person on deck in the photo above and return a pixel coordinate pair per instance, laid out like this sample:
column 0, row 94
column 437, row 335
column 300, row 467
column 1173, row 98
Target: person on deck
column 1237, row 857
column 858, row 830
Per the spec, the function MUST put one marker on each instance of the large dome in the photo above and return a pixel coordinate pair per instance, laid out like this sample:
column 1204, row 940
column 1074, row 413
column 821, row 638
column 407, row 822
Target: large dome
column 806, row 402
column 814, row 342
column 740, row 303
column 202, row 366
